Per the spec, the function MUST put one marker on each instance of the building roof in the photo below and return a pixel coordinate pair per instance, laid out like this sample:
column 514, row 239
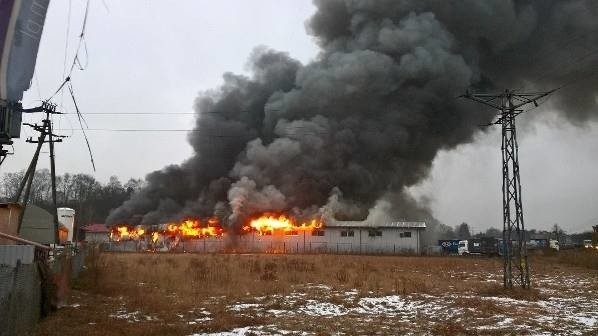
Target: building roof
column 37, row 225
column 365, row 224
column 10, row 205
column 97, row 228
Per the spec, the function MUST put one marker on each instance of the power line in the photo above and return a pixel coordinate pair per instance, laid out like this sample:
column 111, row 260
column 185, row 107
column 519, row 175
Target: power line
column 135, row 113
column 140, row 130
column 66, row 42
column 175, row 130
column 163, row 113
column 81, row 121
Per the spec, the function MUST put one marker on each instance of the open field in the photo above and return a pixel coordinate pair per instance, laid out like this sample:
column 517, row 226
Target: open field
column 187, row 294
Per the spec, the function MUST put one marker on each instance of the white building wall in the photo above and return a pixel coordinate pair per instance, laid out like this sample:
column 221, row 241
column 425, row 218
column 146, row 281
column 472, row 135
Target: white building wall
column 96, row 237
column 361, row 242
column 283, row 243
column 390, row 242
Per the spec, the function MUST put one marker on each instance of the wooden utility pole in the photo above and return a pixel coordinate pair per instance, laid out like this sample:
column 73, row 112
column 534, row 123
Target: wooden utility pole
column 45, row 130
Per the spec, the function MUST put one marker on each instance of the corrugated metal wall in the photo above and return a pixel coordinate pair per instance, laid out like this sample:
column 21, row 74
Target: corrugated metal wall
column 11, row 254
column 20, row 299
column 25, row 290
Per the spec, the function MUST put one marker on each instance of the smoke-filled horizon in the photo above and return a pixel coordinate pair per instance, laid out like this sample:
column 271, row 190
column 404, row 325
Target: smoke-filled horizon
column 344, row 135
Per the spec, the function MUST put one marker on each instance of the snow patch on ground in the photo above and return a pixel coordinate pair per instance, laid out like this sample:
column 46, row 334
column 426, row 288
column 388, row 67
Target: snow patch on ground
column 243, row 306
column 316, row 308
column 269, row 330
column 388, row 305
column 572, row 313
column 135, row 316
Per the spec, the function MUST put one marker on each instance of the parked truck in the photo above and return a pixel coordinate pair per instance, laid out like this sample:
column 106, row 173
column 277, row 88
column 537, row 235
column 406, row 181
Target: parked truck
column 449, row 246
column 484, row 246
column 494, row 246
column 533, row 244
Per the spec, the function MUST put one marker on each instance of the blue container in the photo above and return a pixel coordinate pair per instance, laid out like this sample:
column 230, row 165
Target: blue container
column 449, row 246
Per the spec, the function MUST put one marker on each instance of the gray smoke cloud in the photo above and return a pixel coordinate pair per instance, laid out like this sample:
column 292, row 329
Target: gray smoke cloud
column 348, row 132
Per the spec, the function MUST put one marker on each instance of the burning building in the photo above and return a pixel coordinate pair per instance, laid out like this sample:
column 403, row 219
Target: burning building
column 362, row 123
column 272, row 233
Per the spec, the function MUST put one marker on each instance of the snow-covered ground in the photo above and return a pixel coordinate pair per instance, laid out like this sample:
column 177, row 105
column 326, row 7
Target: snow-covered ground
column 573, row 312
column 563, row 301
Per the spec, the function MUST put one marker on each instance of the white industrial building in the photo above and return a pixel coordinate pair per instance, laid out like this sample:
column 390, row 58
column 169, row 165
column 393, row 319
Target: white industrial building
column 339, row 237
column 386, row 238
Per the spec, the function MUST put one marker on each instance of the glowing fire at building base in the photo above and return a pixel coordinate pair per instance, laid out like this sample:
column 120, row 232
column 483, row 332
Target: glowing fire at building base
column 271, row 233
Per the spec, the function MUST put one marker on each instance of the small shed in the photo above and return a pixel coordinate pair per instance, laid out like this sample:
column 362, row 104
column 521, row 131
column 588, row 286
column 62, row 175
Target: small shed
column 38, row 225
column 9, row 220
column 96, row 233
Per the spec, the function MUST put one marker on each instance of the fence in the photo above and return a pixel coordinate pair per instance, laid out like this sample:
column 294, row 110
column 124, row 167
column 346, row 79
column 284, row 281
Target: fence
column 20, row 298
column 221, row 246
column 28, row 292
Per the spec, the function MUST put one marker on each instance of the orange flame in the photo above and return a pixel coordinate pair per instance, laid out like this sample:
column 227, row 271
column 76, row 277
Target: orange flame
column 126, row 233
column 190, row 228
column 270, row 223
column 193, row 228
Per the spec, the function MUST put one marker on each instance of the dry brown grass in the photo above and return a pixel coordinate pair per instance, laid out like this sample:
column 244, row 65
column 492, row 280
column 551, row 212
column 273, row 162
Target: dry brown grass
column 164, row 285
column 585, row 257
column 231, row 275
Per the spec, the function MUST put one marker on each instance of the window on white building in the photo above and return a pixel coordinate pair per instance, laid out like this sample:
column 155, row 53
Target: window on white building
column 348, row 233
column 375, row 233
column 319, row 233
column 405, row 234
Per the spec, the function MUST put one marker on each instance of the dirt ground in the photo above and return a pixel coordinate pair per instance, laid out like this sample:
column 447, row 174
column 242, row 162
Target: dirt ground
column 225, row 294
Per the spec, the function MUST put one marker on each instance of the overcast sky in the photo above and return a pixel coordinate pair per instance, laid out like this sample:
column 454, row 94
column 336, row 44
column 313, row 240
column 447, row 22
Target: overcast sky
column 155, row 56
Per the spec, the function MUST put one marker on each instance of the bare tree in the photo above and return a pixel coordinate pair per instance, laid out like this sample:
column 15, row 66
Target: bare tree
column 463, row 231
column 91, row 199
column 493, row 232
column 10, row 184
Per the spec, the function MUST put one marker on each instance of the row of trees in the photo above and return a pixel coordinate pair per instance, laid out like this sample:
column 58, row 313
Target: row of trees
column 91, row 199
column 463, row 231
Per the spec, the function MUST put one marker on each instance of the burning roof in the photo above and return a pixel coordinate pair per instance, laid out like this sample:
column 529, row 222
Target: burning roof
column 263, row 224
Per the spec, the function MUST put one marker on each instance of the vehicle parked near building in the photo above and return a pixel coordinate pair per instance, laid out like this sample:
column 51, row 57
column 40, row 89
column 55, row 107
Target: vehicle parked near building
column 537, row 244
column 554, row 244
column 449, row 246
column 484, row 246
column 533, row 244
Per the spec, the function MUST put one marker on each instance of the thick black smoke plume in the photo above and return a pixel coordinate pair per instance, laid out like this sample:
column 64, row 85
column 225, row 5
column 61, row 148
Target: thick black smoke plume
column 351, row 130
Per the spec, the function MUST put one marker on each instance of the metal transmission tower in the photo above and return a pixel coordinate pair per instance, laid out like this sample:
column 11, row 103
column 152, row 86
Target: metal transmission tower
column 509, row 105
